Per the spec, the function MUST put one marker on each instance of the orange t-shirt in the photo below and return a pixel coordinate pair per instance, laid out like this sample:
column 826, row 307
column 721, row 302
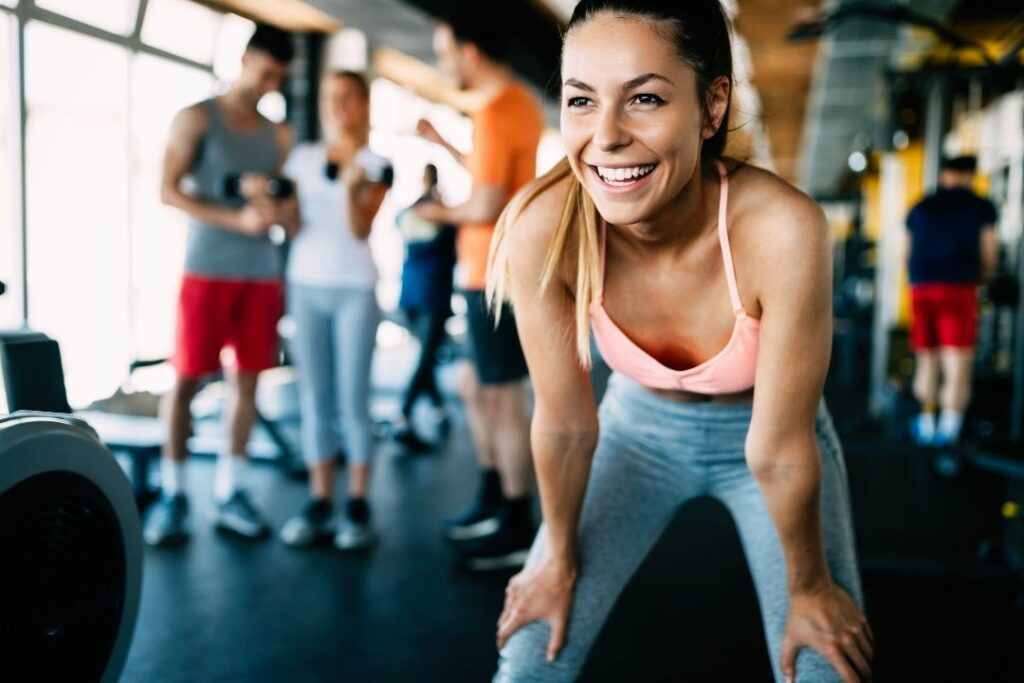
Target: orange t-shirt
column 506, row 133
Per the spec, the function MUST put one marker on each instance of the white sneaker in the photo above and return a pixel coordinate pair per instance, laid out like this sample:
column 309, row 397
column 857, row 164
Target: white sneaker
column 354, row 536
column 922, row 429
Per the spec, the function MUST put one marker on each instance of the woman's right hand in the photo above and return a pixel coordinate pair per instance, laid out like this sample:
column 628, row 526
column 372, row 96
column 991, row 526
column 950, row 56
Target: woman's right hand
column 541, row 592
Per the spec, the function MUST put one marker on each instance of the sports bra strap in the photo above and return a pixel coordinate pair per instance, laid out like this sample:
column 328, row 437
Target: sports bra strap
column 723, row 238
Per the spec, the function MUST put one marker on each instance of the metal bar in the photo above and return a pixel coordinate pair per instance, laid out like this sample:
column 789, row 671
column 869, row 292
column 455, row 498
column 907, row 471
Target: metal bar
column 1011, row 469
column 23, row 12
column 129, row 285
column 936, row 123
column 1017, row 405
column 130, row 41
column 140, row 18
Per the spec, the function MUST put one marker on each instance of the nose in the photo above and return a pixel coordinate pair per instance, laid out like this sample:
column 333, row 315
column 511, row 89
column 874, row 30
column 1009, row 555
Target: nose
column 609, row 135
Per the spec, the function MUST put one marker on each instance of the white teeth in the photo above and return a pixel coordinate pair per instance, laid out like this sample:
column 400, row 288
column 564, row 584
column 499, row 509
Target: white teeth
column 623, row 174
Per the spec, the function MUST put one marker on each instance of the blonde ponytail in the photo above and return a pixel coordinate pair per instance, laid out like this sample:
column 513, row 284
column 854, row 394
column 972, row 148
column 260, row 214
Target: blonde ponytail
column 577, row 228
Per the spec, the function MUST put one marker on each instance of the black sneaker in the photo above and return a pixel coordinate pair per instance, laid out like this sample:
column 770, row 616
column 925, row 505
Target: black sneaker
column 408, row 437
column 478, row 520
column 309, row 526
column 506, row 548
column 237, row 514
column 166, row 524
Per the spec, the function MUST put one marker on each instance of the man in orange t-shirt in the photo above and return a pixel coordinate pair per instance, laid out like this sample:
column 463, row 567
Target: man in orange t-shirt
column 497, row 529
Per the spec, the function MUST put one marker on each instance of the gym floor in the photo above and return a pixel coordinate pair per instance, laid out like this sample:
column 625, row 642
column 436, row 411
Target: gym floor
column 223, row 609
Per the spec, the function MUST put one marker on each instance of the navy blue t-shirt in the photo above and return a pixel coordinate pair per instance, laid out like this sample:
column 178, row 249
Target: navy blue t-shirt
column 427, row 272
column 946, row 236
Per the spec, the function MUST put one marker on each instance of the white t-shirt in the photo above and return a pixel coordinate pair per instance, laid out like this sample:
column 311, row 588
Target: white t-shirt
column 325, row 252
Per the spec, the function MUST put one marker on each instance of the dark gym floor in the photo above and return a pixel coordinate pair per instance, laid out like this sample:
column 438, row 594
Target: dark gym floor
column 223, row 609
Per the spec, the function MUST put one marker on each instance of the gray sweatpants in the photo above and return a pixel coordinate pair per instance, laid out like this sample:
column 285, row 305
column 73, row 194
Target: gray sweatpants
column 335, row 335
column 653, row 455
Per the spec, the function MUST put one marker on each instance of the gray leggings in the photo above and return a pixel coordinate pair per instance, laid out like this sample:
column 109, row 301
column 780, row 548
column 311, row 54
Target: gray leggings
column 653, row 455
column 335, row 335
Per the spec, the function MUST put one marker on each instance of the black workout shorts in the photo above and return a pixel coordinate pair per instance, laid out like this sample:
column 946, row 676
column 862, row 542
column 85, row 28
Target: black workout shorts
column 496, row 352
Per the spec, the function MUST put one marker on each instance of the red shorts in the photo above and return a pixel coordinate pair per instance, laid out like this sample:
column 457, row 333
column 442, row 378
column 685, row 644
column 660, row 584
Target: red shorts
column 238, row 314
column 944, row 316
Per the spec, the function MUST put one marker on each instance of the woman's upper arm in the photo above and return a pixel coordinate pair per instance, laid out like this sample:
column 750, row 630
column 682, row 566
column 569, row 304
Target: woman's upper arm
column 794, row 278
column 546, row 319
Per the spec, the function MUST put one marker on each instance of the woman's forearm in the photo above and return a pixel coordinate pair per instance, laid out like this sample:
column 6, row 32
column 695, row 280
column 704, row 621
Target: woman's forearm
column 789, row 475
column 562, row 459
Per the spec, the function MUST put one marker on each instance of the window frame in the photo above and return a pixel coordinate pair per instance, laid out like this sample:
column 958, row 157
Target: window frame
column 23, row 13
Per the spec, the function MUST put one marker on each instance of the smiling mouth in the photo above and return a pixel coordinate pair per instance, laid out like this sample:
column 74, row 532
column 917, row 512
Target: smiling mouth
column 623, row 176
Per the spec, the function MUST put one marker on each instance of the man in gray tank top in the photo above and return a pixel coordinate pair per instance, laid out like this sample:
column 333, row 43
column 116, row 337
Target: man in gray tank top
column 231, row 293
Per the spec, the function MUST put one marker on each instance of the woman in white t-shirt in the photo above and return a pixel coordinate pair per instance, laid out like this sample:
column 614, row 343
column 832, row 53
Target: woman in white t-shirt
column 330, row 282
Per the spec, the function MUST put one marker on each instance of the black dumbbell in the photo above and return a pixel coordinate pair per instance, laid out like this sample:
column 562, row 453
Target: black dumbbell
column 385, row 175
column 278, row 188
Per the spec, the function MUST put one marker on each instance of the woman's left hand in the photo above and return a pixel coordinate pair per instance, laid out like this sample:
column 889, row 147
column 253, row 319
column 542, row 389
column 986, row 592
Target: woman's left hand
column 827, row 621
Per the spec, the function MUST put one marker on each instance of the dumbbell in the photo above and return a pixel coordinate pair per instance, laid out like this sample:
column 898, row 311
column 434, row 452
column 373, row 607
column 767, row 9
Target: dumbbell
column 278, row 188
column 385, row 175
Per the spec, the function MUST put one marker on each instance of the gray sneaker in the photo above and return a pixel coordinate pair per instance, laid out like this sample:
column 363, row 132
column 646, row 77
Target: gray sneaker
column 166, row 524
column 355, row 536
column 237, row 514
column 309, row 526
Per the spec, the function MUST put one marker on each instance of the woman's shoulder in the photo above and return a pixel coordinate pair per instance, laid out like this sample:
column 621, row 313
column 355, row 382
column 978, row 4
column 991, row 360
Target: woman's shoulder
column 535, row 210
column 766, row 213
column 532, row 218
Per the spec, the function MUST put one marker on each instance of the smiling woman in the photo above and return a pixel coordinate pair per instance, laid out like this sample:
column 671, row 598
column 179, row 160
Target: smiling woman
column 701, row 277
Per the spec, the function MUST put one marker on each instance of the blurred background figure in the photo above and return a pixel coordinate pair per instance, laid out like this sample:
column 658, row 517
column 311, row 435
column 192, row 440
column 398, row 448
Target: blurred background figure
column 427, row 275
column 331, row 299
column 952, row 247
column 496, row 529
column 231, row 294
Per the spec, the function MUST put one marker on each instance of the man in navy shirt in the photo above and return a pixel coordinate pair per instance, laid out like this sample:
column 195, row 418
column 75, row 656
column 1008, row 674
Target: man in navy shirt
column 952, row 246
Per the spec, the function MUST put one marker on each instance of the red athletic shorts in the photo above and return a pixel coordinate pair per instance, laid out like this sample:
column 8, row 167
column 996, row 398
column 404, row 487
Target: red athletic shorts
column 944, row 316
column 215, row 314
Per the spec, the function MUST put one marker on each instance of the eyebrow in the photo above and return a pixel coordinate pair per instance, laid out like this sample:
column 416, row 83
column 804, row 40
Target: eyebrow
column 628, row 85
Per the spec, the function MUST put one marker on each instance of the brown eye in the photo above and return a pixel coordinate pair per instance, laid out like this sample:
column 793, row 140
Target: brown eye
column 648, row 100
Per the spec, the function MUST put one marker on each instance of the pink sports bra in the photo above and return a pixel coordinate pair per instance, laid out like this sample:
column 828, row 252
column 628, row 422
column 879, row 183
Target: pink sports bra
column 729, row 371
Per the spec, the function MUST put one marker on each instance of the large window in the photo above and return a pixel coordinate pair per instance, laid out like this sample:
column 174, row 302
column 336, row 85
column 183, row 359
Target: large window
column 10, row 222
column 102, row 256
column 77, row 205
column 182, row 27
column 117, row 16
column 159, row 89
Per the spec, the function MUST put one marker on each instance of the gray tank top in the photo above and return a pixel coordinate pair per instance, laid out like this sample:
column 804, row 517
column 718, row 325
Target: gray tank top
column 214, row 251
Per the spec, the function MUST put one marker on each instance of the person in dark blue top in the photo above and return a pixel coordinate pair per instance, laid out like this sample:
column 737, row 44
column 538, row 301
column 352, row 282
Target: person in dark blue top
column 952, row 247
column 426, row 301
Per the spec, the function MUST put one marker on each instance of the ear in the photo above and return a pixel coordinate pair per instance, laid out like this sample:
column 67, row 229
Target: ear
column 717, row 105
